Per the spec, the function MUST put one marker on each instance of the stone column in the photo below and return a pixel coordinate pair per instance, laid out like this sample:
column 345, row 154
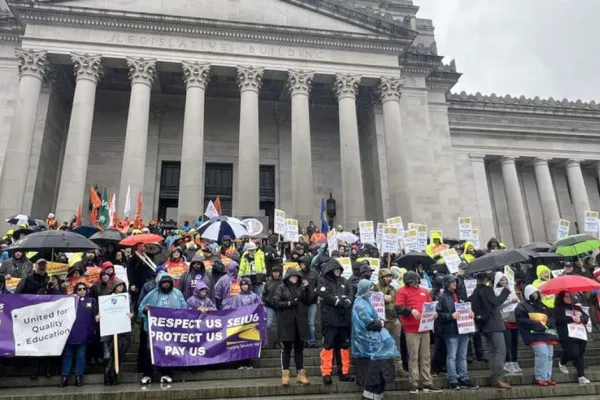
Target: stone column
column 482, row 192
column 142, row 73
column 389, row 93
column 303, row 201
column 191, row 181
column 33, row 66
column 353, row 203
column 88, row 70
column 514, row 198
column 247, row 179
column 547, row 197
column 579, row 196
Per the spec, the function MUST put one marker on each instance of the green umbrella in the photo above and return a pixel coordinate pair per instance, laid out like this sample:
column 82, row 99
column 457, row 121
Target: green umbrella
column 574, row 245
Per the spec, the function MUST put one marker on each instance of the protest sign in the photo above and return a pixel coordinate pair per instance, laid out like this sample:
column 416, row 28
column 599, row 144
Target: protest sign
column 476, row 240
column 279, row 223
column 114, row 314
column 182, row 338
column 563, row 229
column 346, row 263
column 12, row 283
column 465, row 323
column 35, row 325
column 422, row 237
column 332, row 243
column 397, row 223
column 88, row 280
column 378, row 302
column 379, row 234
column 465, row 228
column 577, row 331
column 412, row 225
column 591, row 222
column 375, row 265
column 470, row 285
column 55, row 268
column 427, row 316
column 389, row 244
column 176, row 270
column 557, row 272
column 121, row 273
column 436, row 232
column 291, row 230
column 411, row 241
column 367, row 231
column 588, row 326
column 257, row 227
column 452, row 260
column 510, row 275
column 289, row 264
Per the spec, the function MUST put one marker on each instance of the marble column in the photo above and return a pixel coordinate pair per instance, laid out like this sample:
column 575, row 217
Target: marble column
column 482, row 192
column 579, row 197
column 514, row 198
column 299, row 83
column 247, row 179
column 88, row 70
column 33, row 66
column 142, row 73
column 353, row 202
column 191, row 181
column 547, row 197
column 400, row 197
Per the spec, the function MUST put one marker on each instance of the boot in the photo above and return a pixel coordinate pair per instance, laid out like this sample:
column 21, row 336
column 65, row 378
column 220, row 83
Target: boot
column 106, row 378
column 78, row 381
column 285, row 377
column 327, row 380
column 301, row 377
column 498, row 384
column 64, row 382
column 114, row 378
column 48, row 369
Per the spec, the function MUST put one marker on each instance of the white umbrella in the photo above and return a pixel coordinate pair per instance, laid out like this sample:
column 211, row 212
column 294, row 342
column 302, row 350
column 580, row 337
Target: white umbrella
column 22, row 219
column 347, row 237
column 218, row 227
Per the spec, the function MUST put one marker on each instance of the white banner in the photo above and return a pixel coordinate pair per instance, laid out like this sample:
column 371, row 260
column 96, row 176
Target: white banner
column 465, row 323
column 465, row 228
column 279, row 224
column 563, row 229
column 291, row 230
column 427, row 316
column 367, row 231
column 591, row 222
column 114, row 313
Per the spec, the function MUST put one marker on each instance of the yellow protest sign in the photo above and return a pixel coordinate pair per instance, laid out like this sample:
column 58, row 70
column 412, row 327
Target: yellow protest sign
column 55, row 268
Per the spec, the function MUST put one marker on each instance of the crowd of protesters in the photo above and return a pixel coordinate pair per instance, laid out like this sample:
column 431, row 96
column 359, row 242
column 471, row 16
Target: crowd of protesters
column 295, row 280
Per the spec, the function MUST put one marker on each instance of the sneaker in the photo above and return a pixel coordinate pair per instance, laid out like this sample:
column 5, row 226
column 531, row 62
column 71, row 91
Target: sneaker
column 517, row 368
column 249, row 367
column 431, row 389
column 510, row 368
column 241, row 368
column 468, row 385
column 346, row 378
column 454, row 386
column 166, row 379
column 146, row 380
column 414, row 390
column 563, row 368
column 584, row 381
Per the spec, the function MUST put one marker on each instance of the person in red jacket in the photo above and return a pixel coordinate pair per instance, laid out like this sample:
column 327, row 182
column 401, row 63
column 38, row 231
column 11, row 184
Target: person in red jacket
column 409, row 305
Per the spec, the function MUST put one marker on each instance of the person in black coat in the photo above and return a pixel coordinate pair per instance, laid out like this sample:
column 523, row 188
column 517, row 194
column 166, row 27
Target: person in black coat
column 291, row 301
column 268, row 296
column 312, row 277
column 566, row 313
column 36, row 280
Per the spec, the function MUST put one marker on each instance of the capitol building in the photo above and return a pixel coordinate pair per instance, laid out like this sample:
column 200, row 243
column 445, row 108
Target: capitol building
column 276, row 104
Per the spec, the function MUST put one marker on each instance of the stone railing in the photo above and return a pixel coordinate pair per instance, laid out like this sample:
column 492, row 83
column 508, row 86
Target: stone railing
column 521, row 101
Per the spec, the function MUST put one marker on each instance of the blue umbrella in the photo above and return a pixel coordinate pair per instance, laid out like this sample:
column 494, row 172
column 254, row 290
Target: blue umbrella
column 86, row 231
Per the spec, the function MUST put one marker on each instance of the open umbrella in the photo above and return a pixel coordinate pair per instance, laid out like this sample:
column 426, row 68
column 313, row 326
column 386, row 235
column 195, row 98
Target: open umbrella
column 500, row 258
column 221, row 226
column 570, row 283
column 22, row 219
column 574, row 245
column 143, row 238
column 109, row 236
column 57, row 241
column 87, row 230
column 347, row 237
column 409, row 260
column 537, row 247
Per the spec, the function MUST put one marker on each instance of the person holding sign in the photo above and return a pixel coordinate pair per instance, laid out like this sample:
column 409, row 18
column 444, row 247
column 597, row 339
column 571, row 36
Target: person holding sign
column 532, row 318
column 373, row 348
column 570, row 319
column 507, row 310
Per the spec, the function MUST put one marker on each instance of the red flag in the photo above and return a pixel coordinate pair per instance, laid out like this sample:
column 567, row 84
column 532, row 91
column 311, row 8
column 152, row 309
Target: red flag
column 218, row 205
column 94, row 198
column 78, row 217
column 138, row 212
column 94, row 216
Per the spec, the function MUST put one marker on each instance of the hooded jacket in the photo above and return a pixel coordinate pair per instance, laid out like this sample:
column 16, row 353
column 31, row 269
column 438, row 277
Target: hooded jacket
column 32, row 283
column 410, row 298
column 507, row 314
column 364, row 269
column 243, row 299
column 196, row 301
column 563, row 320
column 312, row 277
column 446, row 307
column 547, row 299
column 271, row 286
column 468, row 256
column 291, row 302
column 188, row 281
column 158, row 297
column 228, row 285
column 494, row 240
column 336, row 297
column 532, row 319
column 20, row 268
column 102, row 288
column 486, row 305
column 84, row 328
column 271, row 256
column 388, row 290
column 433, row 249
column 258, row 272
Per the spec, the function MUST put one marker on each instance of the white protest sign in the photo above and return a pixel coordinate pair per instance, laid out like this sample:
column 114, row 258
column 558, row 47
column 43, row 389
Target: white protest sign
column 476, row 239
column 346, row 263
column 510, row 275
column 378, row 302
column 452, row 260
column 577, row 331
column 397, row 223
column 427, row 316
column 114, row 314
column 279, row 223
column 465, row 228
column 291, row 230
column 332, row 243
column 379, row 234
column 470, row 285
column 557, row 272
column 591, row 222
column 389, row 244
column 588, row 326
column 43, row 329
column 367, row 231
column 121, row 273
column 422, row 237
column 411, row 240
column 375, row 265
column 465, row 323
column 563, row 229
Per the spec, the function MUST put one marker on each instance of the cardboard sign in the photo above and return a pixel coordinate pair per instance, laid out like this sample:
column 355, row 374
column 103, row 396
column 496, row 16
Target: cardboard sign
column 378, row 302
column 279, row 223
column 290, row 264
column 114, row 314
column 465, row 228
column 397, row 223
column 12, row 283
column 375, row 265
column 428, row 316
column 367, row 231
column 54, row 268
column 411, row 240
column 379, row 234
column 235, row 288
column 422, row 237
column 465, row 323
column 476, row 239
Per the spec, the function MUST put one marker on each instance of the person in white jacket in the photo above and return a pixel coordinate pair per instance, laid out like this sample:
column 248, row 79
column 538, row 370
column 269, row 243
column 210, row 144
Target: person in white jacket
column 511, row 334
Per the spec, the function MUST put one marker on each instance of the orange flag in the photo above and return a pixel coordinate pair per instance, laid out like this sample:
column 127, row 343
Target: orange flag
column 138, row 211
column 94, row 198
column 218, row 206
column 94, row 216
column 78, row 217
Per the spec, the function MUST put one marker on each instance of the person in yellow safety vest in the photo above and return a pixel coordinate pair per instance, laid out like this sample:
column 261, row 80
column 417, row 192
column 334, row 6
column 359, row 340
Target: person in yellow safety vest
column 253, row 267
column 544, row 274
column 9, row 235
column 436, row 246
column 470, row 252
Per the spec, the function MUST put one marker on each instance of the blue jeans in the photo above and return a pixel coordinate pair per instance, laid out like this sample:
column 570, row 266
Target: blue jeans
column 258, row 289
column 312, row 316
column 76, row 351
column 271, row 316
column 543, row 361
column 456, row 359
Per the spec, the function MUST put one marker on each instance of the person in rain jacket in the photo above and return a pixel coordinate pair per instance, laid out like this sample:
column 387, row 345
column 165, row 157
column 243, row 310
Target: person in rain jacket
column 197, row 272
column 268, row 296
column 364, row 272
column 228, row 285
column 253, row 267
column 104, row 286
column 511, row 334
column 291, row 301
column 336, row 306
column 392, row 323
column 436, row 246
column 17, row 267
column 166, row 296
column 36, row 280
column 200, row 300
column 493, row 244
column 470, row 253
column 246, row 297
column 373, row 348
column 310, row 275
column 544, row 274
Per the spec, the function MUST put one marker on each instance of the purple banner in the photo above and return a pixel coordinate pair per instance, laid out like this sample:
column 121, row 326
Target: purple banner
column 181, row 338
column 35, row 325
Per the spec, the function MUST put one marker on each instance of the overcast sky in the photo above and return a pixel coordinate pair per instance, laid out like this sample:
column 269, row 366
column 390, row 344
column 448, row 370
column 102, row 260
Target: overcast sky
column 521, row 47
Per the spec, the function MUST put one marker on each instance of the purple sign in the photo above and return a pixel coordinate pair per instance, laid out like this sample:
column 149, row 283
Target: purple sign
column 35, row 325
column 181, row 338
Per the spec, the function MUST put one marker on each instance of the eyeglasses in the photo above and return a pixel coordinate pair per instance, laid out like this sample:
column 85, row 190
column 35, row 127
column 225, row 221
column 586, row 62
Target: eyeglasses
column 81, row 289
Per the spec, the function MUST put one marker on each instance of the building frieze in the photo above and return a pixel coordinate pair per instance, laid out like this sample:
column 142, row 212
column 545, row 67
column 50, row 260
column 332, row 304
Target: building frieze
column 502, row 120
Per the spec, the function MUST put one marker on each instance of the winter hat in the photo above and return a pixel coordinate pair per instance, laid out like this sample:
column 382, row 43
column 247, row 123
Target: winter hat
column 251, row 246
column 596, row 272
column 159, row 269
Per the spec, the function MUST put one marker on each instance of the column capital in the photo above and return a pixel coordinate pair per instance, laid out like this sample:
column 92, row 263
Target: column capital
column 32, row 63
column 141, row 70
column 249, row 78
column 390, row 88
column 573, row 162
column 508, row 160
column 477, row 157
column 540, row 161
column 346, row 86
column 300, row 82
column 86, row 66
column 195, row 74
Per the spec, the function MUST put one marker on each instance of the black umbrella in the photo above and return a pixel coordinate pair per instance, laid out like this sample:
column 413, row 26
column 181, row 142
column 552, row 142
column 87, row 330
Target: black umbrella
column 537, row 247
column 109, row 236
column 549, row 257
column 57, row 241
column 500, row 258
column 409, row 260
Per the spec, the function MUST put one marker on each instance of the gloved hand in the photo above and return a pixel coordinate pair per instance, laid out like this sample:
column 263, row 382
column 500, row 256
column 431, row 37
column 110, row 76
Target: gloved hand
column 347, row 303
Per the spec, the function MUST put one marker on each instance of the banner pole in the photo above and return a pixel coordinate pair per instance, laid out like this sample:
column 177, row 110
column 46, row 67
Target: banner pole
column 389, row 260
column 116, row 352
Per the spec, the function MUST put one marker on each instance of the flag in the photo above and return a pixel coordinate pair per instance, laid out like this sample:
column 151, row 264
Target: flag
column 104, row 214
column 138, row 211
column 94, row 198
column 324, row 225
column 112, row 210
column 94, row 217
column 218, row 206
column 78, row 217
column 211, row 210
column 127, row 209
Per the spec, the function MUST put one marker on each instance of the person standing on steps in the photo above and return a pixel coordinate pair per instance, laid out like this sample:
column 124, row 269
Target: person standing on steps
column 392, row 323
column 310, row 276
column 336, row 307
column 268, row 296
column 511, row 334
